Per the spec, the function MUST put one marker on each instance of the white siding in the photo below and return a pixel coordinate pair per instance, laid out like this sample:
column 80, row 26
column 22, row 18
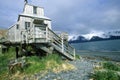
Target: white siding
column 40, row 12
column 29, row 10
column 11, row 34
column 48, row 23
column 14, row 34
column 17, row 35
column 23, row 20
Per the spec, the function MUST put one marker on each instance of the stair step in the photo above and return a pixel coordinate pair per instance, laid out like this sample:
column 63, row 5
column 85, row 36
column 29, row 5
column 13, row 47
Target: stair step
column 46, row 49
column 71, row 57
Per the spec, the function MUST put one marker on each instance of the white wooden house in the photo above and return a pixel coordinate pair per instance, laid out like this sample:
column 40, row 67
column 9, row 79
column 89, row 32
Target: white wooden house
column 33, row 26
column 28, row 25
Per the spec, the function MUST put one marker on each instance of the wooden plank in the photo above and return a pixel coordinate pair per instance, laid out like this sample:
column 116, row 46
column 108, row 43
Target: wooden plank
column 63, row 53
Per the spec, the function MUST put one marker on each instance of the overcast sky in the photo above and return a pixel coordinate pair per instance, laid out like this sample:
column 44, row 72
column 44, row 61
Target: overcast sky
column 72, row 16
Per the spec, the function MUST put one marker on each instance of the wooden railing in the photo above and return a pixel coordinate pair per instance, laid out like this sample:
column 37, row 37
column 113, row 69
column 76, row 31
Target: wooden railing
column 47, row 35
column 60, row 44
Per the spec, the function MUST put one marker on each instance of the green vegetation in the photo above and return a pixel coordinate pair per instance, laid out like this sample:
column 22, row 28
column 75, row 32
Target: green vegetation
column 77, row 56
column 34, row 64
column 4, row 60
column 106, row 75
column 111, row 66
column 51, row 62
column 108, row 72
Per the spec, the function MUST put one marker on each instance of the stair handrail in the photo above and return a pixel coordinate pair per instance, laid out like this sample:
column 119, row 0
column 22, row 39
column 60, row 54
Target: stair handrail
column 63, row 45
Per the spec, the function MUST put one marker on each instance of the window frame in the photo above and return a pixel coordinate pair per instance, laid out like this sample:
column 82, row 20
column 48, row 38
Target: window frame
column 17, row 26
column 27, row 25
column 34, row 10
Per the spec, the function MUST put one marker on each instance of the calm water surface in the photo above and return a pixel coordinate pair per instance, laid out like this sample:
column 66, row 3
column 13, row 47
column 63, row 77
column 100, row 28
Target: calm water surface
column 109, row 49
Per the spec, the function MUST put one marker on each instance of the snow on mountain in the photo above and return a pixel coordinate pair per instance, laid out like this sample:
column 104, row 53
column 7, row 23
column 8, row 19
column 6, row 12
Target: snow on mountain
column 89, row 36
column 73, row 37
column 98, row 34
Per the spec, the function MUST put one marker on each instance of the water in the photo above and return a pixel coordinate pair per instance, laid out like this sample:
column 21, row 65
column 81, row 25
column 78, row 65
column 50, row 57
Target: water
column 109, row 49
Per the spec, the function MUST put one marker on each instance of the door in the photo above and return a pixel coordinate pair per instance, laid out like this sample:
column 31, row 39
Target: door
column 40, row 31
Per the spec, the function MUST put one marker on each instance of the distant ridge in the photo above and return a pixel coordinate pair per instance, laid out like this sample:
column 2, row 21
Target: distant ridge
column 3, row 33
column 113, row 35
column 81, row 39
column 3, row 28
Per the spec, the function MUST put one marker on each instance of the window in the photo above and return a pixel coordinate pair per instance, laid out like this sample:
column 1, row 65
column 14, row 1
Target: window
column 17, row 26
column 34, row 10
column 37, row 21
column 27, row 25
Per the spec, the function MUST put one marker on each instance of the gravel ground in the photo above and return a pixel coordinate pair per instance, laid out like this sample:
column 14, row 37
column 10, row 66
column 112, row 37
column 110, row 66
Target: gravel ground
column 83, row 69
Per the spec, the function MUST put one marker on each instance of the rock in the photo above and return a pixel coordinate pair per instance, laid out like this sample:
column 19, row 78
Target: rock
column 83, row 70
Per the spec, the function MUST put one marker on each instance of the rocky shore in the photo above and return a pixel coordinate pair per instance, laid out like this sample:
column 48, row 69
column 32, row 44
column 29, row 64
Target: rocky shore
column 83, row 68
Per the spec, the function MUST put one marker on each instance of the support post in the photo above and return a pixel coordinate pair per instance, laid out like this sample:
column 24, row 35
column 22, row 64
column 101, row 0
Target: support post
column 34, row 33
column 62, row 46
column 17, row 50
column 46, row 34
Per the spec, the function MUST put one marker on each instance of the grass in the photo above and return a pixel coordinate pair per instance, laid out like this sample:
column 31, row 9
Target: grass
column 4, row 60
column 111, row 66
column 34, row 65
column 51, row 62
column 77, row 56
column 108, row 72
column 106, row 75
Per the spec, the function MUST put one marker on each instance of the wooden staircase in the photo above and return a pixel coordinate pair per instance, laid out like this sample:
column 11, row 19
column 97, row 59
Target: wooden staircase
column 49, row 41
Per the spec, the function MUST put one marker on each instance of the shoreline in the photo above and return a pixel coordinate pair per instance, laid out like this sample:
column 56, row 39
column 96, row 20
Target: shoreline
column 113, row 56
column 84, row 68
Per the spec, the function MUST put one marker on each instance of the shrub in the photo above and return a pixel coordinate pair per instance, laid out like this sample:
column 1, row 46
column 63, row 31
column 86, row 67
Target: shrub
column 111, row 66
column 4, row 60
column 36, row 64
column 77, row 56
column 105, row 75
column 54, row 57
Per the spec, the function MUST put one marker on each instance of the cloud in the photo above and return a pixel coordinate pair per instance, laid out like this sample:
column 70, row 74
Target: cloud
column 9, row 10
column 111, row 16
column 72, row 16
column 94, row 33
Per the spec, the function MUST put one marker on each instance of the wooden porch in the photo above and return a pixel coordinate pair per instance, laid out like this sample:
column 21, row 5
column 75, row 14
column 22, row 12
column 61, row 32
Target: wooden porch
column 48, row 41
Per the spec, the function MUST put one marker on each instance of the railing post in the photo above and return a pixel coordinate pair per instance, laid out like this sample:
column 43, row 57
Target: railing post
column 34, row 33
column 62, row 45
column 21, row 36
column 74, row 54
column 46, row 34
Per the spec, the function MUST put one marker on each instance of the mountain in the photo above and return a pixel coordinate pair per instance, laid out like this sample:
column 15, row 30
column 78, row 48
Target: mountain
column 3, row 34
column 78, row 39
column 96, row 38
column 111, row 35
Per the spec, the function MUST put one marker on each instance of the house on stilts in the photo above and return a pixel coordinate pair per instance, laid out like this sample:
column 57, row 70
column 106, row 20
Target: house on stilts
column 34, row 28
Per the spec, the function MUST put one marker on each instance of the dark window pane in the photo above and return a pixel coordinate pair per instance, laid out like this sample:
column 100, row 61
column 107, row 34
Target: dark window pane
column 27, row 25
column 17, row 26
column 34, row 10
